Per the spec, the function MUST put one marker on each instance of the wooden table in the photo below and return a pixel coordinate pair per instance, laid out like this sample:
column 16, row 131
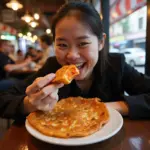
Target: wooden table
column 134, row 135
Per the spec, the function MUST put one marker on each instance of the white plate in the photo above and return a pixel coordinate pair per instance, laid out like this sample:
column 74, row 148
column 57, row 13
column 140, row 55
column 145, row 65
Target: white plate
column 111, row 128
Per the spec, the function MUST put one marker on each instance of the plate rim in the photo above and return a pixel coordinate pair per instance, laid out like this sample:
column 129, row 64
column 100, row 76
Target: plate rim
column 29, row 128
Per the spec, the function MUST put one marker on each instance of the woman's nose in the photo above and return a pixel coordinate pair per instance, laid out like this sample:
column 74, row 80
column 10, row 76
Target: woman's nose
column 73, row 54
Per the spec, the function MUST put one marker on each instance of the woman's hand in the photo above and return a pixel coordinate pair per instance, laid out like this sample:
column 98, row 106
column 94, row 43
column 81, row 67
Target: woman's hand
column 120, row 106
column 41, row 95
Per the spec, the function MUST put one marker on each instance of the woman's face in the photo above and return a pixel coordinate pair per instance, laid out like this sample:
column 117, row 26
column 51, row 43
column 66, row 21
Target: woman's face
column 76, row 44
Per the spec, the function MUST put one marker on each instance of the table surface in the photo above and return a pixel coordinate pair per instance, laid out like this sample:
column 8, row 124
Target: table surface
column 134, row 135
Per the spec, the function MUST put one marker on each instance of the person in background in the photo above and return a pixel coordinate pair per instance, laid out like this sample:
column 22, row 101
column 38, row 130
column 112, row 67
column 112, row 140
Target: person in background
column 20, row 56
column 79, row 39
column 12, row 53
column 31, row 52
column 39, row 55
column 46, row 43
column 7, row 65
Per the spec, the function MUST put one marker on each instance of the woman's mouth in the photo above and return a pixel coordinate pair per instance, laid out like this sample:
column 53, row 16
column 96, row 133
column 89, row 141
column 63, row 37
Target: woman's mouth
column 80, row 65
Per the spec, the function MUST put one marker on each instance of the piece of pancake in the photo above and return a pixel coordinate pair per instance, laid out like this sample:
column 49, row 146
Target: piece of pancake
column 66, row 74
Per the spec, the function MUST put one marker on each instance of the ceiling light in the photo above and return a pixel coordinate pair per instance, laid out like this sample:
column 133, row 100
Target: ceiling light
column 20, row 34
column 29, row 34
column 3, row 37
column 33, row 24
column 48, row 31
column 35, row 37
column 14, row 4
column 36, row 16
column 27, row 18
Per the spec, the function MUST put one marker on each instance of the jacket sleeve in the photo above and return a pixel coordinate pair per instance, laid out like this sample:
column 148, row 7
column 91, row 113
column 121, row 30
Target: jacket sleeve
column 137, row 85
column 11, row 101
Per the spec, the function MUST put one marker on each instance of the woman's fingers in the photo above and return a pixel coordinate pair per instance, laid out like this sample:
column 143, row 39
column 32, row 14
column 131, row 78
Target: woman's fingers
column 39, row 83
column 47, row 104
column 43, row 107
column 35, row 98
column 52, row 104
column 42, row 94
column 53, row 96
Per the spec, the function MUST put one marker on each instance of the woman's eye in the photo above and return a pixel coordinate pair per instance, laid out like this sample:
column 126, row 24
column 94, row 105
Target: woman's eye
column 82, row 44
column 62, row 45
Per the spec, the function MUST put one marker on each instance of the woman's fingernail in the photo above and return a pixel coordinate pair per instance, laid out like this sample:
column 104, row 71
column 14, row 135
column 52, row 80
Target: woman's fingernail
column 50, row 76
column 61, row 85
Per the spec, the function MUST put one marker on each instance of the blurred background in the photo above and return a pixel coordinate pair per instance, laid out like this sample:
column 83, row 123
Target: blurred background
column 23, row 21
column 26, row 24
column 128, row 21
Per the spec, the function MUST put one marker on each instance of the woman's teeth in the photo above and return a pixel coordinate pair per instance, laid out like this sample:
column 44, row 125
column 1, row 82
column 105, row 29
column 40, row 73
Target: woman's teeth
column 79, row 65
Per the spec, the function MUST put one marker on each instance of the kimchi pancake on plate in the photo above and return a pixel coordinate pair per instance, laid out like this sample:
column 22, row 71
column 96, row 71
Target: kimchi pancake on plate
column 71, row 117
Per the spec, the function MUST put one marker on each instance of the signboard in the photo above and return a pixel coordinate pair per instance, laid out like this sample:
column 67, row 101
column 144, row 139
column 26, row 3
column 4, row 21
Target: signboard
column 123, row 8
column 8, row 16
column 6, row 28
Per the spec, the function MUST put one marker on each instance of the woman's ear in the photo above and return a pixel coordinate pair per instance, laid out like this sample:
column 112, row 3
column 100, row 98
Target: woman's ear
column 102, row 42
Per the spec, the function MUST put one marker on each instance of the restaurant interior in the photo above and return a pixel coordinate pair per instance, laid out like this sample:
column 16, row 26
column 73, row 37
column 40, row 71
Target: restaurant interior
column 25, row 30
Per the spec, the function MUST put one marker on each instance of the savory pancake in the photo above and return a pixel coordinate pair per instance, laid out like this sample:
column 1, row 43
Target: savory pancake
column 71, row 117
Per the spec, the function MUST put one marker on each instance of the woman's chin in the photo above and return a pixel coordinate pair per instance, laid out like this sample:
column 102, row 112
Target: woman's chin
column 79, row 77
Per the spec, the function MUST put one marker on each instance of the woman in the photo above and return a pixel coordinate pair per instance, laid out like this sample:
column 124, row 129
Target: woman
column 79, row 39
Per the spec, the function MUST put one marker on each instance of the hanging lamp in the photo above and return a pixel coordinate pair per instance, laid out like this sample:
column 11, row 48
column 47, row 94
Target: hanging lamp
column 14, row 4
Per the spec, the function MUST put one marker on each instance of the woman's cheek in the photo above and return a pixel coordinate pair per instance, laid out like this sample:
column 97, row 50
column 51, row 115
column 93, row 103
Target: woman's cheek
column 60, row 57
column 61, row 54
column 58, row 52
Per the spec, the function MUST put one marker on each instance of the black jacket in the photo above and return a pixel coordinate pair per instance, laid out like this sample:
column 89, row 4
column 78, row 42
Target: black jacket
column 4, row 60
column 110, row 86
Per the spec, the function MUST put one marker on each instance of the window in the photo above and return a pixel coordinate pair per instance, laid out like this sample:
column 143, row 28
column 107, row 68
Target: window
column 141, row 23
column 128, row 31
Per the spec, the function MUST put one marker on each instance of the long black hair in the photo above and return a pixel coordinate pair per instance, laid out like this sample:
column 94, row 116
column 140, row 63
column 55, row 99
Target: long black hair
column 87, row 14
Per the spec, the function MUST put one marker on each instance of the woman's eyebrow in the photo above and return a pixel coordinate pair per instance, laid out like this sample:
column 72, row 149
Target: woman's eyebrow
column 82, row 37
column 78, row 38
column 60, row 39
